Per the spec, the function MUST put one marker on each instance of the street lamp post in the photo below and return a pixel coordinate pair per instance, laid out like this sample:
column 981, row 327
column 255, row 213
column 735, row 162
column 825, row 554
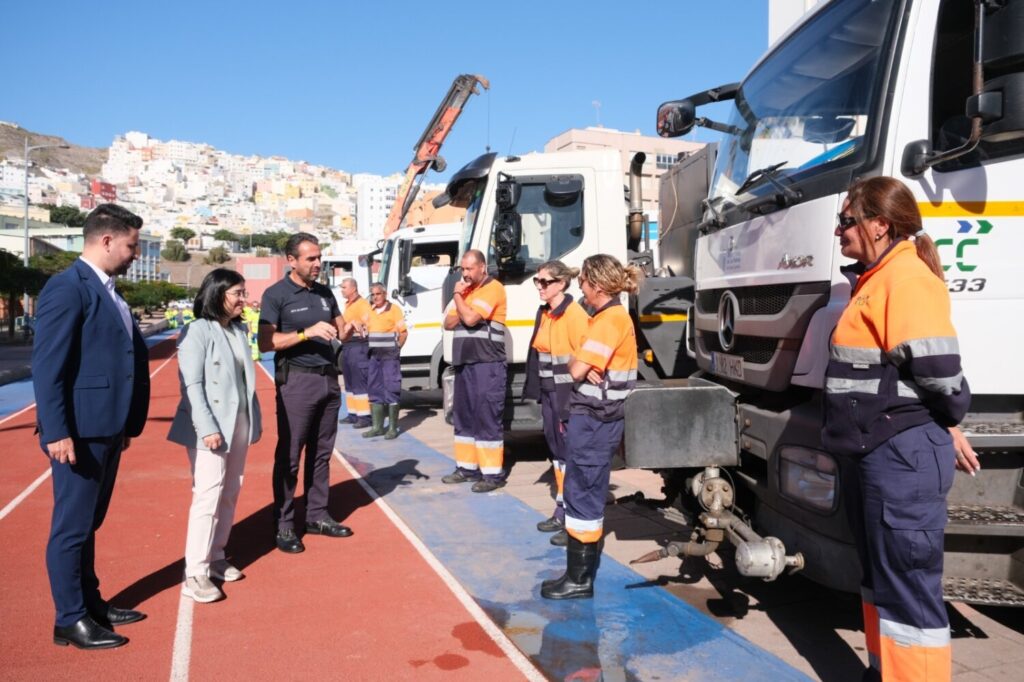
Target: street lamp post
column 24, row 303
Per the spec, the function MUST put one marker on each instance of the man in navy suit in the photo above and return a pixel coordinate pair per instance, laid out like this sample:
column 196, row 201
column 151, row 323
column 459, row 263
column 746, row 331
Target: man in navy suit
column 90, row 370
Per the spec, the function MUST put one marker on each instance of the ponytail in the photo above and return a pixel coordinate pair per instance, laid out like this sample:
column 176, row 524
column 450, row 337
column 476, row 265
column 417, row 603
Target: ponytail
column 927, row 252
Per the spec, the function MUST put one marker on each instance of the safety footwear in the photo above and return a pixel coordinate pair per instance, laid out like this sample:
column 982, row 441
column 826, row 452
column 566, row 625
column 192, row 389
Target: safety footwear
column 458, row 477
column 392, row 422
column 559, row 539
column 361, row 422
column 201, row 589
column 581, row 567
column 349, row 419
column 487, row 485
column 377, row 415
column 552, row 525
column 222, row 570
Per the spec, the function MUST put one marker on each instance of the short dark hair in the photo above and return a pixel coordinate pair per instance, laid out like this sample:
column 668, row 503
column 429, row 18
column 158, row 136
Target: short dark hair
column 107, row 218
column 209, row 304
column 291, row 247
column 477, row 255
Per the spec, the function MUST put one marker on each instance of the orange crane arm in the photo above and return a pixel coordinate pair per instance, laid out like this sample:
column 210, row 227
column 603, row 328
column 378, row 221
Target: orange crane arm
column 425, row 153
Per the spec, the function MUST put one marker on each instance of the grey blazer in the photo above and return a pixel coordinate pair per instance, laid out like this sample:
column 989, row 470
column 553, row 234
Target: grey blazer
column 209, row 395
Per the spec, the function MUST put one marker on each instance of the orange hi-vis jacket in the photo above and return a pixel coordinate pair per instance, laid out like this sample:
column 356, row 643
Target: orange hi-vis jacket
column 357, row 312
column 610, row 348
column 894, row 360
column 557, row 336
column 384, row 326
column 484, row 342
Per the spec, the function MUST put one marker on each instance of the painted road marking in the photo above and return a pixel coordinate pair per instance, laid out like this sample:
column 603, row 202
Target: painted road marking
column 181, row 651
column 13, row 504
column 529, row 671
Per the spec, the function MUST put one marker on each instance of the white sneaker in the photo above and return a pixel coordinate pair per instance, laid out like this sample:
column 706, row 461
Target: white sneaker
column 201, row 589
column 222, row 570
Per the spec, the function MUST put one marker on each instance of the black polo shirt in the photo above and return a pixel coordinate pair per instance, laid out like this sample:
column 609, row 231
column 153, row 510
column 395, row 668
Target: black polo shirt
column 291, row 307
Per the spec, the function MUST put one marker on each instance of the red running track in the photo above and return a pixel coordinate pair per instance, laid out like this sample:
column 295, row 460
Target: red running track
column 367, row 607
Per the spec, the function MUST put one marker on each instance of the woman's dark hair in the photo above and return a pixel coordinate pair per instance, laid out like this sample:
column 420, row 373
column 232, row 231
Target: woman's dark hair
column 209, row 303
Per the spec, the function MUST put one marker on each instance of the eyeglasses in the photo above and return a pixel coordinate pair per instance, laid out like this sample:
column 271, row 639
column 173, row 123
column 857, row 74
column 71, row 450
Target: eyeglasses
column 846, row 221
column 241, row 293
column 543, row 283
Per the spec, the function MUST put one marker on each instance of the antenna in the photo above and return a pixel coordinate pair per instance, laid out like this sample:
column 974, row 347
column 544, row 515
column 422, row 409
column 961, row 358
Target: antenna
column 487, row 147
column 512, row 141
column 597, row 111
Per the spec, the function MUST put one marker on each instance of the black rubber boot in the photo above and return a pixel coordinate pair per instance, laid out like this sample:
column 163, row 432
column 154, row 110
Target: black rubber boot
column 392, row 423
column 377, row 415
column 581, row 567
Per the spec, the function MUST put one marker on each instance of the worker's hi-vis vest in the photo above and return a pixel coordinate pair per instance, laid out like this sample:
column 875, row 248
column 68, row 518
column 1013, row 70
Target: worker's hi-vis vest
column 484, row 342
column 610, row 347
column 557, row 335
column 357, row 312
column 894, row 360
column 383, row 326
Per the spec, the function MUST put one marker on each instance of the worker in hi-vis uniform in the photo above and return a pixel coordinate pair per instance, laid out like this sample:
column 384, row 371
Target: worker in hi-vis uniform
column 355, row 355
column 386, row 332
column 477, row 316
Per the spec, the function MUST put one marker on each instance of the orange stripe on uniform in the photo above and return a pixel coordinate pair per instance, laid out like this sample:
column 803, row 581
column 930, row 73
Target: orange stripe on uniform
column 491, row 456
column 465, row 451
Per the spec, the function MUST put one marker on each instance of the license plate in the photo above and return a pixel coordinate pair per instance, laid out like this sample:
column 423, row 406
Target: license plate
column 729, row 366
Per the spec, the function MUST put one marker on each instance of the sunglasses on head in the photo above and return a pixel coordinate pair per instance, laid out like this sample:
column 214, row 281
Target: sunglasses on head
column 846, row 221
column 543, row 283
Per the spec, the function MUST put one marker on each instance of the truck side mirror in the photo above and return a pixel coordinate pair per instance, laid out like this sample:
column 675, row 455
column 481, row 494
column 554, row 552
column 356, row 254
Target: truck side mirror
column 563, row 191
column 507, row 194
column 508, row 235
column 676, row 118
column 404, row 266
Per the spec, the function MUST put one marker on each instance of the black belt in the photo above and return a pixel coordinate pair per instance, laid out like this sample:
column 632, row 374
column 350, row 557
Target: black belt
column 322, row 370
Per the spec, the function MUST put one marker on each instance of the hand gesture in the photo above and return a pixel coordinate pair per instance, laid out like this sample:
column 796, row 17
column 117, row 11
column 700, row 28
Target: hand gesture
column 322, row 330
column 594, row 376
column 460, row 287
column 966, row 457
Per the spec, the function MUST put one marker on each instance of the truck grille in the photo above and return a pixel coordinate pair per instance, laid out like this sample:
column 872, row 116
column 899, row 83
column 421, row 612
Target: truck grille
column 754, row 300
column 753, row 349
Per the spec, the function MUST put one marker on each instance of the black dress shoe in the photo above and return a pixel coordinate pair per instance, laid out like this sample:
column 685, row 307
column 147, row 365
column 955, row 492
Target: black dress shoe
column 288, row 542
column 109, row 616
column 87, row 634
column 328, row 527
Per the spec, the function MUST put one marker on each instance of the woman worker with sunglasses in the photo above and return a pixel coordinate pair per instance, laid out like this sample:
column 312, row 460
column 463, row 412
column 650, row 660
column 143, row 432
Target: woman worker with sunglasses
column 557, row 335
column 604, row 369
column 894, row 392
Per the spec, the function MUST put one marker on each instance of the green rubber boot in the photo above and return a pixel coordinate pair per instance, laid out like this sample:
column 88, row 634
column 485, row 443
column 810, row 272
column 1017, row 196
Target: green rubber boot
column 377, row 417
column 392, row 422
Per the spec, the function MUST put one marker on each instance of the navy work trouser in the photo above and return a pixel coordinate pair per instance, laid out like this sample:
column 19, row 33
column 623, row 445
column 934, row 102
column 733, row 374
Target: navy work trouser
column 355, row 365
column 81, row 496
column 385, row 380
column 590, row 446
column 479, row 409
column 896, row 503
column 307, row 409
column 554, row 434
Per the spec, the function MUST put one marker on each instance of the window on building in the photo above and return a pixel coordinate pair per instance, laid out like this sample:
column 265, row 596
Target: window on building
column 665, row 161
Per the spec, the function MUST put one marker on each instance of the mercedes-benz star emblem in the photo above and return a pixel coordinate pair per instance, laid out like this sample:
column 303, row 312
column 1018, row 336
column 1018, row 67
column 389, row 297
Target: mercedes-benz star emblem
column 728, row 308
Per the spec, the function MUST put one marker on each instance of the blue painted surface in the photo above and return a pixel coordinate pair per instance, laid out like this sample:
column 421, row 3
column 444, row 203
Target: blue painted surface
column 18, row 395
column 629, row 631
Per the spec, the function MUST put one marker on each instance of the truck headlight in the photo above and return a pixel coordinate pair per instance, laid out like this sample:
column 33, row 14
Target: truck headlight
column 808, row 477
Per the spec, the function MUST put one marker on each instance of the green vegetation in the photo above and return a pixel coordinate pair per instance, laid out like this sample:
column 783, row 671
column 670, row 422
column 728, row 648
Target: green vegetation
column 262, row 253
column 15, row 280
column 52, row 263
column 150, row 295
column 174, row 251
column 270, row 240
column 217, row 255
column 66, row 215
column 182, row 233
column 225, row 236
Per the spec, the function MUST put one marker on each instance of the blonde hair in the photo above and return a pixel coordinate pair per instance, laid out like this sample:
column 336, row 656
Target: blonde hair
column 560, row 271
column 607, row 274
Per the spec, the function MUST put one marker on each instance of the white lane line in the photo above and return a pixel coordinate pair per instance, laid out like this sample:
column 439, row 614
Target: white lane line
column 12, row 505
column 181, row 654
column 514, row 654
column 16, row 414
column 24, row 493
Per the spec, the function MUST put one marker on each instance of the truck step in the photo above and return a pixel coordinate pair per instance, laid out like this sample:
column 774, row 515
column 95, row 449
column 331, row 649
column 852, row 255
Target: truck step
column 969, row 519
column 989, row 591
column 994, row 435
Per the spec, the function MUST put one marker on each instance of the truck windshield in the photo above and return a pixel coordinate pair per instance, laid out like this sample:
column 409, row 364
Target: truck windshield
column 810, row 106
column 385, row 261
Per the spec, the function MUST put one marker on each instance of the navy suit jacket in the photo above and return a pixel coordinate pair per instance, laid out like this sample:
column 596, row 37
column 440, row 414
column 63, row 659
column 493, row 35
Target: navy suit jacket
column 91, row 377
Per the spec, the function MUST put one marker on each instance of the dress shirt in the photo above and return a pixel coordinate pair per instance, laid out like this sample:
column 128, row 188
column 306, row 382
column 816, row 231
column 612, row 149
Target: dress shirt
column 108, row 284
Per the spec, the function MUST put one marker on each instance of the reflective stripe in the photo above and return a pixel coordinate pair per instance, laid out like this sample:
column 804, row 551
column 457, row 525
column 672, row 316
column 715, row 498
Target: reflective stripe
column 924, row 348
column 471, row 466
column 589, row 390
column 943, row 385
column 613, row 394
column 564, row 379
column 907, row 389
column 561, row 359
column 597, row 347
column 621, row 374
column 490, row 444
column 483, row 305
column 465, row 439
column 544, row 357
column 908, row 635
column 583, row 524
column 546, row 373
column 490, row 471
column 836, row 385
column 857, row 356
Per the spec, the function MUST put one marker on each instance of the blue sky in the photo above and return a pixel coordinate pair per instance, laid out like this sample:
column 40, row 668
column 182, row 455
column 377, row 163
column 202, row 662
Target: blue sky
column 351, row 85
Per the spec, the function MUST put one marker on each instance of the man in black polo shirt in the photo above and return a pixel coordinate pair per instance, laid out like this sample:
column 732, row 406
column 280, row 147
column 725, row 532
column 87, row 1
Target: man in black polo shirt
column 299, row 319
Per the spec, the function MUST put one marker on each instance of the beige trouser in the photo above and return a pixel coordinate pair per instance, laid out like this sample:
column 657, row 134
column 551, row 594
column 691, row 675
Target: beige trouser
column 216, row 482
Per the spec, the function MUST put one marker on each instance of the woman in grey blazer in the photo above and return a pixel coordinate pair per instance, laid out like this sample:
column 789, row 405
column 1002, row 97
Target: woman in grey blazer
column 217, row 419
